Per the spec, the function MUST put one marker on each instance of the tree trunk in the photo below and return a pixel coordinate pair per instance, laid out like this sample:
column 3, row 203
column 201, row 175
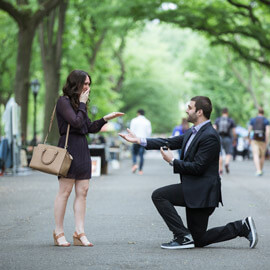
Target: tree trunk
column 27, row 23
column 119, row 56
column 95, row 49
column 52, row 91
column 246, row 84
column 51, row 59
column 249, row 86
column 25, row 40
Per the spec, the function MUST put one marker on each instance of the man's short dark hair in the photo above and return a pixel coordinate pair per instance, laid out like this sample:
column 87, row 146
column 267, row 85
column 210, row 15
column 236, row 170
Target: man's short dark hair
column 261, row 110
column 141, row 111
column 225, row 110
column 204, row 104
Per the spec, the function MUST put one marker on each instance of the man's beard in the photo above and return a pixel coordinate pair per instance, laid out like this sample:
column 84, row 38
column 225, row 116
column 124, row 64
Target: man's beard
column 192, row 118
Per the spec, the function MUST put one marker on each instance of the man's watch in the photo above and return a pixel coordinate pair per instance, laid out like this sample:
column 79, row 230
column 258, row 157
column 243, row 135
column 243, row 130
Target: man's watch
column 171, row 162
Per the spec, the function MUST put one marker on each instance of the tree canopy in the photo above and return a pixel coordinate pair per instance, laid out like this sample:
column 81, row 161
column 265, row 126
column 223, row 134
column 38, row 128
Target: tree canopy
column 241, row 25
column 148, row 54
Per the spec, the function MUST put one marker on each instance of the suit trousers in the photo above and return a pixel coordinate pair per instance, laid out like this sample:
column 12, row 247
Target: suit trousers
column 167, row 197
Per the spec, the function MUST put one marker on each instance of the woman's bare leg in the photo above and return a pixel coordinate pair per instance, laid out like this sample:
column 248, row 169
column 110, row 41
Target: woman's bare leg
column 81, row 189
column 65, row 188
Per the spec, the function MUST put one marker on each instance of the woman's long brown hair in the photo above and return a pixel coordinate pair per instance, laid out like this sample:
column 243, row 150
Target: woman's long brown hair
column 74, row 86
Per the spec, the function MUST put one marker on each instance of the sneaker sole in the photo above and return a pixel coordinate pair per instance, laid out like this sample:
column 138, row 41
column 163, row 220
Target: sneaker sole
column 254, row 233
column 179, row 247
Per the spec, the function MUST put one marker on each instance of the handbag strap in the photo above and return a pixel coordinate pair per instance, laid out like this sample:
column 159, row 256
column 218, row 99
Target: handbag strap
column 68, row 128
column 50, row 127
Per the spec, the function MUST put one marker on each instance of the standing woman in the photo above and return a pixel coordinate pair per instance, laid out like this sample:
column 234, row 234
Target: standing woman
column 71, row 109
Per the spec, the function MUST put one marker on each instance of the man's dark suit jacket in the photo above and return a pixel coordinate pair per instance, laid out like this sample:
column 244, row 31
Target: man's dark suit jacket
column 198, row 168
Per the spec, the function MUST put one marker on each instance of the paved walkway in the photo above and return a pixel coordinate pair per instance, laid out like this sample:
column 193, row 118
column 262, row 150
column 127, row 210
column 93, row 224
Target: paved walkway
column 124, row 225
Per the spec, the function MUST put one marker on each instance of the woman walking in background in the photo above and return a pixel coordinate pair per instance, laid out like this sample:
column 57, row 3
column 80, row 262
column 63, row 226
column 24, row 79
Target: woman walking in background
column 71, row 109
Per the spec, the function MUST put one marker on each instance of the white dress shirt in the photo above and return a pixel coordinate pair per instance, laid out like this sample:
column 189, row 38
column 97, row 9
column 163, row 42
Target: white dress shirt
column 141, row 126
column 195, row 130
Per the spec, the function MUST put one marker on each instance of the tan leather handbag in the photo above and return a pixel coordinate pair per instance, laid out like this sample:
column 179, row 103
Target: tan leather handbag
column 51, row 159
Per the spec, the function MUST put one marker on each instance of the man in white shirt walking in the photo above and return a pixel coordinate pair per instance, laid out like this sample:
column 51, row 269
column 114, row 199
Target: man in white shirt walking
column 141, row 127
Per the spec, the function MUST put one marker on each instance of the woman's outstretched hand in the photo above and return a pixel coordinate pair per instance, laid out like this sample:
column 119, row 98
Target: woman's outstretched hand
column 130, row 137
column 112, row 115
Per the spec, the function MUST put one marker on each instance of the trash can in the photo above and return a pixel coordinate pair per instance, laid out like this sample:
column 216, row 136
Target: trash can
column 99, row 150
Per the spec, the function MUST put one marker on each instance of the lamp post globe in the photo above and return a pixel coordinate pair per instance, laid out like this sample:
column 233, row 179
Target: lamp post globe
column 35, row 85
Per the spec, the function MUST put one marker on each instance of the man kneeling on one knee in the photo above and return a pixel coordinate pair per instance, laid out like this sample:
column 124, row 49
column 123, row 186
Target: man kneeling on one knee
column 200, row 188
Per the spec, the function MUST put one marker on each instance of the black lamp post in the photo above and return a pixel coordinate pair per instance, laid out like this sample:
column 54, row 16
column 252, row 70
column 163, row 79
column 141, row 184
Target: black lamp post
column 35, row 85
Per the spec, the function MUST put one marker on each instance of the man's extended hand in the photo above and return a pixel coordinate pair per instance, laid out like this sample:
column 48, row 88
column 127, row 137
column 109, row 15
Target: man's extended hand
column 130, row 137
column 167, row 155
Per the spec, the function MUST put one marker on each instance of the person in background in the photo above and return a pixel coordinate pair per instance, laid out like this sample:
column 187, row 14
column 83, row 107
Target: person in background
column 140, row 126
column 225, row 127
column 261, row 129
column 180, row 130
column 71, row 108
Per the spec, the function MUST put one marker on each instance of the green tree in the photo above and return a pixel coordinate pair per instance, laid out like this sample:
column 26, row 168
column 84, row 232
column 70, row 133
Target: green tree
column 27, row 15
column 8, row 45
column 96, row 32
column 240, row 25
column 190, row 70
column 7, row 60
column 217, row 73
column 154, row 80
column 51, row 32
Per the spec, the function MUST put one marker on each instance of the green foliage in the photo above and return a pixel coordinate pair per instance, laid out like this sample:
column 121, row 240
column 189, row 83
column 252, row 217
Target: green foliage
column 7, row 56
column 7, row 61
column 210, row 74
column 163, row 58
column 240, row 25
column 153, row 81
column 84, row 27
column 163, row 66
